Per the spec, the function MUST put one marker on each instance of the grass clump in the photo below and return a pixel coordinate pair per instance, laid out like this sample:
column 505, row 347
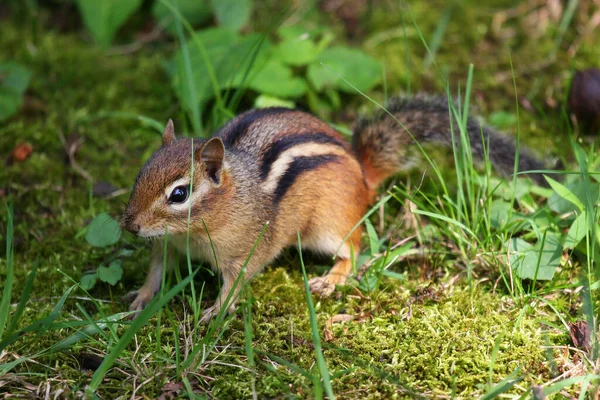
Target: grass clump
column 447, row 317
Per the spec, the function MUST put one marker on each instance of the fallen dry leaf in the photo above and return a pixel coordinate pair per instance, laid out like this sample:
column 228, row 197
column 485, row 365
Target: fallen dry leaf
column 20, row 153
column 171, row 390
column 300, row 342
column 103, row 189
column 580, row 334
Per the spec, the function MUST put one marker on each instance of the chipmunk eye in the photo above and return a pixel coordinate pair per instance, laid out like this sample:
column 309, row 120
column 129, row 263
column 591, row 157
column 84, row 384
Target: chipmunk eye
column 179, row 194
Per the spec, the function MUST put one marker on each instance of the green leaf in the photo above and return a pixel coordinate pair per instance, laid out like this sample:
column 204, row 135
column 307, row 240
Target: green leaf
column 502, row 119
column 500, row 212
column 577, row 231
column 533, row 262
column 333, row 64
column 368, row 283
column 103, row 231
column 565, row 193
column 233, row 14
column 275, row 79
column 14, row 76
column 230, row 57
column 88, row 281
column 373, row 239
column 194, row 11
column 297, row 51
column 94, row 328
column 14, row 80
column 264, row 100
column 104, row 18
column 112, row 274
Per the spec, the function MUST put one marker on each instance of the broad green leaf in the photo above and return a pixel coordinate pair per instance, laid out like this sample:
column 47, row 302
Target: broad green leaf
column 565, row 193
column 580, row 190
column 533, row 262
column 103, row 231
column 111, row 274
column 297, row 51
column 233, row 14
column 500, row 212
column 104, row 18
column 368, row 283
column 577, row 231
column 195, row 13
column 88, row 281
column 275, row 79
column 10, row 103
column 333, row 64
column 216, row 42
column 14, row 76
column 230, row 58
column 14, row 80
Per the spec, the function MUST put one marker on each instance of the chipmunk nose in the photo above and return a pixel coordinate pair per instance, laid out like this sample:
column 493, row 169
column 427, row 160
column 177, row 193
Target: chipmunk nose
column 128, row 224
column 133, row 228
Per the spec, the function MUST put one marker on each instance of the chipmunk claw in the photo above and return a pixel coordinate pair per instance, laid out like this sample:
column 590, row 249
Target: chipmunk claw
column 208, row 314
column 138, row 302
column 321, row 286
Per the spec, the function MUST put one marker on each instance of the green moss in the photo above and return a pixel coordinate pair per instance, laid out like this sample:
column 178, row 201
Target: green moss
column 395, row 345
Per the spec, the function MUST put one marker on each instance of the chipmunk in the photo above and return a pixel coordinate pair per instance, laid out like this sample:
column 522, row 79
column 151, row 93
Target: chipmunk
column 289, row 169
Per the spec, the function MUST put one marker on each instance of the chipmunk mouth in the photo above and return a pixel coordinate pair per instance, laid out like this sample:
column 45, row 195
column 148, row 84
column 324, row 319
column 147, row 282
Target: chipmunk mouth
column 151, row 233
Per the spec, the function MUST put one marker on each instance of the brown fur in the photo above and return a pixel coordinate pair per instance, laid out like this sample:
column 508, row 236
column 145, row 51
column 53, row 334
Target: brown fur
column 383, row 143
column 281, row 168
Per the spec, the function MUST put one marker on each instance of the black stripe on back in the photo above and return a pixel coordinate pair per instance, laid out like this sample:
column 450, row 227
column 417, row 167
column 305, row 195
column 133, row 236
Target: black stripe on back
column 297, row 168
column 278, row 147
column 237, row 128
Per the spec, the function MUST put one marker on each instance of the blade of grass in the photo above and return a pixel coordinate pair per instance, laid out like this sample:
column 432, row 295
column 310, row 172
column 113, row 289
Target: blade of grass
column 145, row 121
column 42, row 325
column 315, row 332
column 10, row 270
column 207, row 62
column 504, row 385
column 22, row 300
column 362, row 220
column 87, row 332
column 248, row 340
column 438, row 35
column 147, row 313
column 565, row 21
column 558, row 386
column 190, row 85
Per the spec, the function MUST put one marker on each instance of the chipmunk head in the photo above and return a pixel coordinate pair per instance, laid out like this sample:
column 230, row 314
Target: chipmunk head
column 164, row 191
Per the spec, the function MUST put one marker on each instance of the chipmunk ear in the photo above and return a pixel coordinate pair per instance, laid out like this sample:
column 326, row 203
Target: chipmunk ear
column 168, row 135
column 211, row 153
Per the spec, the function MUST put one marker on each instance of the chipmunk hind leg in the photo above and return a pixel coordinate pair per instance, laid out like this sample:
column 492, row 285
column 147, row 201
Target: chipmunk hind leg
column 329, row 241
column 341, row 270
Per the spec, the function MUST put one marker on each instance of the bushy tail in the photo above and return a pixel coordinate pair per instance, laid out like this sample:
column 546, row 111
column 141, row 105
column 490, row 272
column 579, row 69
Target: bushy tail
column 384, row 147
